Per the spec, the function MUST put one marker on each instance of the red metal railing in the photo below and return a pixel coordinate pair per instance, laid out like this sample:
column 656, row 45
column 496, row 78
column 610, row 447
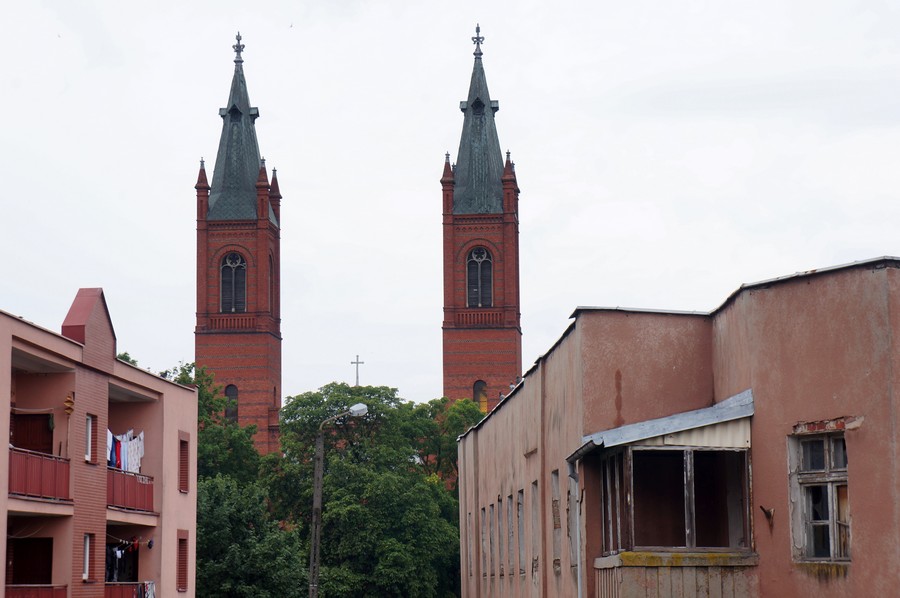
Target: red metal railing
column 129, row 490
column 37, row 474
column 35, row 591
column 124, row 590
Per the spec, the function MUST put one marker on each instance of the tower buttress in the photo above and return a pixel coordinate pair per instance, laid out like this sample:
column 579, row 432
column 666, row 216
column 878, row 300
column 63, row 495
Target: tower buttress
column 482, row 338
column 238, row 332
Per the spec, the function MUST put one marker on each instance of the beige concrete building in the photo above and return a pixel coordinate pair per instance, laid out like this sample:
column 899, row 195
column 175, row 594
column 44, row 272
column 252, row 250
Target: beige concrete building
column 99, row 495
column 751, row 451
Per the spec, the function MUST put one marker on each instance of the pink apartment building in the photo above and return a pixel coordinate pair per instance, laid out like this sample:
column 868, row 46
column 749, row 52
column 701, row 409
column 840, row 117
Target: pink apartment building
column 750, row 451
column 78, row 523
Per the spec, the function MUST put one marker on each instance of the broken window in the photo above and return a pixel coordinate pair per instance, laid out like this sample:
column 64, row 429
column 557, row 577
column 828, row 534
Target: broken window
column 690, row 498
column 820, row 497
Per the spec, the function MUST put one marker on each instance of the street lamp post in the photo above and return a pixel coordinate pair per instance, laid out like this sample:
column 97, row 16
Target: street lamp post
column 357, row 410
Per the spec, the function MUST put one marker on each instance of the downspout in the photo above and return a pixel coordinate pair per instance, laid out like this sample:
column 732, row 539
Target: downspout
column 573, row 475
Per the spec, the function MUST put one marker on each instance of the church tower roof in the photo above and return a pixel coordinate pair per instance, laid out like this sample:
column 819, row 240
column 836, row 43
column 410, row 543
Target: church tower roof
column 479, row 164
column 233, row 193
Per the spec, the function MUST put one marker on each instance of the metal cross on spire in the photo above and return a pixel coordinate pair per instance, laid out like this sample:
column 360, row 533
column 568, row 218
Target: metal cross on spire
column 478, row 40
column 357, row 363
column 238, row 48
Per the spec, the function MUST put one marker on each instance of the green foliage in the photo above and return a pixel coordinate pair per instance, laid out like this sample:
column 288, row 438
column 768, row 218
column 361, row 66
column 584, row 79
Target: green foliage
column 389, row 521
column 240, row 551
column 223, row 447
column 450, row 420
column 124, row 356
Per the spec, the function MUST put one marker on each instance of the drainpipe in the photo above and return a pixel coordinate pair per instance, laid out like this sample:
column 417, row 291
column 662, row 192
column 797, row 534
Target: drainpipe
column 573, row 476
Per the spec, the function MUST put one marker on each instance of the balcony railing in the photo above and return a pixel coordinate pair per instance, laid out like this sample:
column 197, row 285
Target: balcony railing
column 37, row 474
column 129, row 490
column 35, row 591
column 129, row 590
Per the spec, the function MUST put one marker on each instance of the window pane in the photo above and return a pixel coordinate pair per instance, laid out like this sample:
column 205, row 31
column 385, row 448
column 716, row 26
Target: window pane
column 486, row 283
column 818, row 502
column 843, row 504
column 719, row 498
column 240, row 290
column 843, row 547
column 659, row 498
column 472, row 279
column 843, row 521
column 813, row 455
column 820, row 544
column 838, row 453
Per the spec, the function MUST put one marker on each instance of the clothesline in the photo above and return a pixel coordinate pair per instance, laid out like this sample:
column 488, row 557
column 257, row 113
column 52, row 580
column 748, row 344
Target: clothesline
column 125, row 451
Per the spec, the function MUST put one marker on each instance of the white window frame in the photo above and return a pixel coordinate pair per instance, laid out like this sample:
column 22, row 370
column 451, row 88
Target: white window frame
column 833, row 475
column 89, row 437
column 86, row 561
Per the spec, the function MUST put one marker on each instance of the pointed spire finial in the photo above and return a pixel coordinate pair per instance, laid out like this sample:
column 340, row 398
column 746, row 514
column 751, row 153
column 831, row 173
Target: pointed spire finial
column 262, row 162
column 202, row 163
column 507, row 155
column 447, row 157
column 238, row 48
column 478, row 40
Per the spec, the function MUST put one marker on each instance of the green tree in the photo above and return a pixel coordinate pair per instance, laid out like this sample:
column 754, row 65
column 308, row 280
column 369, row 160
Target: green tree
column 450, row 419
column 389, row 525
column 124, row 356
column 241, row 552
column 223, row 446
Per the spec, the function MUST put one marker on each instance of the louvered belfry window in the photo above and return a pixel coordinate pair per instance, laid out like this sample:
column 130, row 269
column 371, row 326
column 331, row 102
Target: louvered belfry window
column 234, row 283
column 479, row 278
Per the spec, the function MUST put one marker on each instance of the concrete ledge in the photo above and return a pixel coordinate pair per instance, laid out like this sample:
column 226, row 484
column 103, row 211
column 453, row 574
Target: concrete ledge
column 31, row 505
column 677, row 559
column 127, row 516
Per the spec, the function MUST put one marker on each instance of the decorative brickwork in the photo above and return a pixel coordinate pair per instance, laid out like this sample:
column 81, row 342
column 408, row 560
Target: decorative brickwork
column 238, row 333
column 482, row 338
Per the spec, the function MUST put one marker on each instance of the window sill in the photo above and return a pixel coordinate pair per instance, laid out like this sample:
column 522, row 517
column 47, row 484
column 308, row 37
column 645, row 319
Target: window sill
column 677, row 559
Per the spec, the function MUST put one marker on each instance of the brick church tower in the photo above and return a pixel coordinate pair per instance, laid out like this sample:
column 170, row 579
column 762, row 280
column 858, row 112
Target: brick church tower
column 481, row 330
column 238, row 333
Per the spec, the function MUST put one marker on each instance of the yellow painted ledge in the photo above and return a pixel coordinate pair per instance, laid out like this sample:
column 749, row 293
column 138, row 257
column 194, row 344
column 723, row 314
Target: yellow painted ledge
column 677, row 559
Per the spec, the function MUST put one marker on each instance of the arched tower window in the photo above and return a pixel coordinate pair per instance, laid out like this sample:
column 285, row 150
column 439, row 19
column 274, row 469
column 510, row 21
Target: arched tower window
column 234, row 283
column 479, row 278
column 231, row 409
column 479, row 395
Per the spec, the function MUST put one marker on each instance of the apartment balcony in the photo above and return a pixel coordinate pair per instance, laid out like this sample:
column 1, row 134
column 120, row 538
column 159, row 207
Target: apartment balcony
column 128, row 590
column 38, row 475
column 128, row 490
column 36, row 591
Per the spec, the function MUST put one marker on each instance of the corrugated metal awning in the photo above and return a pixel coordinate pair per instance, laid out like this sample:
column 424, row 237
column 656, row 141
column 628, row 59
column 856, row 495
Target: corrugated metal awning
column 733, row 408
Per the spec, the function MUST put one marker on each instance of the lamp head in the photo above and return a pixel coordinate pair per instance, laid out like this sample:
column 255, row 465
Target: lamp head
column 358, row 410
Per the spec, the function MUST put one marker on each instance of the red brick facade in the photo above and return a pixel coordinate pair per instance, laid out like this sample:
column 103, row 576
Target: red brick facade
column 481, row 343
column 243, row 348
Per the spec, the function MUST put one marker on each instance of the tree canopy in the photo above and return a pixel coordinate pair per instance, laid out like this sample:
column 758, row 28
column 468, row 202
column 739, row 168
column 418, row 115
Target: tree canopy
column 390, row 511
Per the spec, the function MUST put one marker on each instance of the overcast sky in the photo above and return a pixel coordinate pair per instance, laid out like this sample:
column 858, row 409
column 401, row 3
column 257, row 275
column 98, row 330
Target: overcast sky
column 666, row 153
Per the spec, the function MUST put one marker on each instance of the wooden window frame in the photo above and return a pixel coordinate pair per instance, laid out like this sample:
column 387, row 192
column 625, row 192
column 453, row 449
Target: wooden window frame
column 832, row 476
column 617, row 501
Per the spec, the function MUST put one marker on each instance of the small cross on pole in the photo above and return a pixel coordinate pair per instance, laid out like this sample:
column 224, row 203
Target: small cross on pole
column 357, row 363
